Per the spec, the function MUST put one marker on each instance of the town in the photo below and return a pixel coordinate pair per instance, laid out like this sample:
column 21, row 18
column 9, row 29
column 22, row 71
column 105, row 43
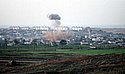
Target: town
column 16, row 35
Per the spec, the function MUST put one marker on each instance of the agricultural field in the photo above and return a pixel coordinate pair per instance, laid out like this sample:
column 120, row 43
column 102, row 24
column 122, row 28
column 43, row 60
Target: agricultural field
column 67, row 59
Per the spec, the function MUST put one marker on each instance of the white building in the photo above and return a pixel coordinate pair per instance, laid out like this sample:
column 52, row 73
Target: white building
column 42, row 28
column 14, row 28
column 76, row 28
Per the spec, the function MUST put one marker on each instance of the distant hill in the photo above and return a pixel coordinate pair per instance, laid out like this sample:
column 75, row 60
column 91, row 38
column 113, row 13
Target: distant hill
column 113, row 30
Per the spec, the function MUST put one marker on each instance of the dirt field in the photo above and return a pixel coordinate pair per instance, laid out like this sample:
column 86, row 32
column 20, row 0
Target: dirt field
column 78, row 64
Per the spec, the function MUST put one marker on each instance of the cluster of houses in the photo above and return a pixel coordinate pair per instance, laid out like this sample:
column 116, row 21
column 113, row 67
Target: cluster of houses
column 35, row 35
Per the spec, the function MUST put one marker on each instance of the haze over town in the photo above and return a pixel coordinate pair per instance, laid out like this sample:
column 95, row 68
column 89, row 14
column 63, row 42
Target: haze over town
column 93, row 13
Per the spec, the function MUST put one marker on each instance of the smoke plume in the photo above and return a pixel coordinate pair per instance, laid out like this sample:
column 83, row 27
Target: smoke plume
column 54, row 17
column 56, row 33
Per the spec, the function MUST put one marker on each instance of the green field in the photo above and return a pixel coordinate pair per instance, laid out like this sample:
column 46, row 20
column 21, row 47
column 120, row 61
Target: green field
column 36, row 51
column 96, row 52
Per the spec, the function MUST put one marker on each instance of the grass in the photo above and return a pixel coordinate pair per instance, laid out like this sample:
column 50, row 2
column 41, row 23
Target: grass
column 38, row 51
column 93, row 52
column 116, row 51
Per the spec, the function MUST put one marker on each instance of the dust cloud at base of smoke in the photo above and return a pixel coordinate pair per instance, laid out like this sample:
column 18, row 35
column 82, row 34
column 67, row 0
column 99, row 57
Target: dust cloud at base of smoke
column 57, row 35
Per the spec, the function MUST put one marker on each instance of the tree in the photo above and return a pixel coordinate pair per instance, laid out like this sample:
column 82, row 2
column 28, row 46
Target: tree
column 16, row 41
column 63, row 42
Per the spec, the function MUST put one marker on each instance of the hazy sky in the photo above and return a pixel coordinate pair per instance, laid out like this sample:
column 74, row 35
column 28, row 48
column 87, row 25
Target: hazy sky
column 93, row 13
